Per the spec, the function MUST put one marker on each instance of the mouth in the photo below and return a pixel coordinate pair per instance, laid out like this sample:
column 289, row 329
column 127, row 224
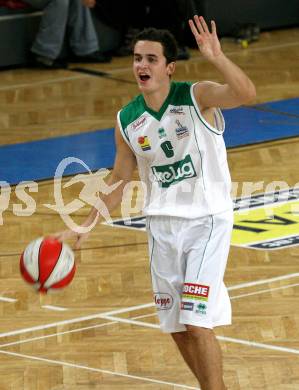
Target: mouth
column 144, row 77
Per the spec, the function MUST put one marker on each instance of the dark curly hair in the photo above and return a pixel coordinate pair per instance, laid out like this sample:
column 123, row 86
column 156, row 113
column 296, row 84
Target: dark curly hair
column 167, row 40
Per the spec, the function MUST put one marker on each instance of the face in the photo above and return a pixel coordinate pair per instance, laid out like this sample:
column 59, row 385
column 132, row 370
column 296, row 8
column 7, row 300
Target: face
column 149, row 66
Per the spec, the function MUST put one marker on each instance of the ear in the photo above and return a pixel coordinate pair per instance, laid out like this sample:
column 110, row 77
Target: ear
column 170, row 68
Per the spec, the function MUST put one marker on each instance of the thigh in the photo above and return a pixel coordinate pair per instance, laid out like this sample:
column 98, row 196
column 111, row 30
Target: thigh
column 167, row 270
column 205, row 301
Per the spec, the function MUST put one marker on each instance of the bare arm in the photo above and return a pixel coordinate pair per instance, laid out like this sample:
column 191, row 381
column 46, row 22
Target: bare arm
column 122, row 172
column 238, row 89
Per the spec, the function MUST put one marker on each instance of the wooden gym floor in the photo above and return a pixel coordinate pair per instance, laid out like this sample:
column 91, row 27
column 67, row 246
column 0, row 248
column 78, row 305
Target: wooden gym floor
column 101, row 332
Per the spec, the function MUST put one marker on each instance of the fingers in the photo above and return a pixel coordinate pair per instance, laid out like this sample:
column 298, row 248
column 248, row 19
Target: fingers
column 67, row 234
column 80, row 239
column 214, row 29
column 55, row 236
column 193, row 28
column 204, row 24
column 195, row 32
column 201, row 25
column 61, row 236
column 77, row 244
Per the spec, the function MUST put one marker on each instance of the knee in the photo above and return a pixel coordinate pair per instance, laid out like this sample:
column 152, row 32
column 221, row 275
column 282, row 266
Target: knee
column 198, row 331
column 179, row 336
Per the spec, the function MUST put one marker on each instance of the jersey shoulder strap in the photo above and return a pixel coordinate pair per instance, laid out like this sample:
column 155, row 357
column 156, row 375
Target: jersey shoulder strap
column 181, row 95
column 131, row 112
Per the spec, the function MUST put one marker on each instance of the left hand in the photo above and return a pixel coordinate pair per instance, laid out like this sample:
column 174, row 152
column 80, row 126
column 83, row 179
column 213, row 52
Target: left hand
column 207, row 42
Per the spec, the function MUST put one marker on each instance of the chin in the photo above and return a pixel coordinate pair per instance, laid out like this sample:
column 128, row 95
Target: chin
column 143, row 88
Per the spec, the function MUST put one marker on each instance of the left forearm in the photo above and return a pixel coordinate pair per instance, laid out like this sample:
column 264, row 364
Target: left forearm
column 239, row 83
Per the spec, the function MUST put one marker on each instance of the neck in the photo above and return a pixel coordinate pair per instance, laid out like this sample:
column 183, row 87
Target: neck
column 155, row 99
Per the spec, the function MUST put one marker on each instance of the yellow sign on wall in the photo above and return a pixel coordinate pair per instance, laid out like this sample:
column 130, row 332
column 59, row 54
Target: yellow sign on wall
column 267, row 221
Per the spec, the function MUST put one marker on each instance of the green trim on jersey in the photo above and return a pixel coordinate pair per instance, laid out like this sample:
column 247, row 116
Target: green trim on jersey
column 195, row 136
column 208, row 126
column 131, row 112
column 179, row 95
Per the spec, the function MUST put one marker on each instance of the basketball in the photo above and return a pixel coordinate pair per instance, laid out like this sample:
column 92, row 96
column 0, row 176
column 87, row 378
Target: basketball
column 47, row 264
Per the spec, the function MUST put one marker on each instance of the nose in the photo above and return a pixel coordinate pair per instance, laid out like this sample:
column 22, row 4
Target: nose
column 143, row 63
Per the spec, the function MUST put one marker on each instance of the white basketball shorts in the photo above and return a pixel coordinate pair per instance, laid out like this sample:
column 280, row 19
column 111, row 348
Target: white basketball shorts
column 187, row 262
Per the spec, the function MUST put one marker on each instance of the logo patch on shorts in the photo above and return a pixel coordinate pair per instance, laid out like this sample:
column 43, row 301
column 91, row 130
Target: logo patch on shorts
column 163, row 301
column 196, row 291
column 187, row 306
column 201, row 308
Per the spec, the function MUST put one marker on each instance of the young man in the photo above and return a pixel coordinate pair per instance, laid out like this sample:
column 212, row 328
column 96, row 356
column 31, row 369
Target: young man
column 173, row 131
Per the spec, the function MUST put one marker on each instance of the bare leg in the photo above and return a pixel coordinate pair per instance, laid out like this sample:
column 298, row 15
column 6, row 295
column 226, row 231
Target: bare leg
column 201, row 352
column 183, row 341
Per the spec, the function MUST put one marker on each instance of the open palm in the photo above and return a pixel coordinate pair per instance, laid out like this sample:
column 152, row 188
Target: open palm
column 207, row 41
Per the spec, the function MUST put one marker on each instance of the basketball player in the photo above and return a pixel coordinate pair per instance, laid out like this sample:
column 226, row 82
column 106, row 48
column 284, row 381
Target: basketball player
column 173, row 131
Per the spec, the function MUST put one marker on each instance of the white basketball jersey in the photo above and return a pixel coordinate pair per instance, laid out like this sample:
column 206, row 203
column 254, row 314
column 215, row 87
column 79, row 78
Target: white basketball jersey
column 181, row 159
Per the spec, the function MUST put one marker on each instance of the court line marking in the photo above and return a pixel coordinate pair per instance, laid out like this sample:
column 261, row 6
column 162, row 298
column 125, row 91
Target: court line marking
column 222, row 338
column 71, row 331
column 43, row 82
column 132, row 322
column 134, row 318
column 58, row 334
column 56, row 308
column 51, row 325
column 4, row 299
column 116, row 319
column 80, row 366
column 128, row 309
column 264, row 291
column 113, row 320
column 124, row 69
column 263, row 281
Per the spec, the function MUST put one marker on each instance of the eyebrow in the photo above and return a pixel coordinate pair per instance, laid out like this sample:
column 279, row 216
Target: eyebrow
column 146, row 55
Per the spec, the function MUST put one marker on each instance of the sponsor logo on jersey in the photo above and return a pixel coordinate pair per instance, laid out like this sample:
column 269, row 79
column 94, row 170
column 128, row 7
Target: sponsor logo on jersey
column 187, row 306
column 144, row 143
column 167, row 148
column 169, row 174
column 177, row 110
column 181, row 131
column 196, row 291
column 163, row 301
column 267, row 221
column 140, row 122
column 161, row 133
